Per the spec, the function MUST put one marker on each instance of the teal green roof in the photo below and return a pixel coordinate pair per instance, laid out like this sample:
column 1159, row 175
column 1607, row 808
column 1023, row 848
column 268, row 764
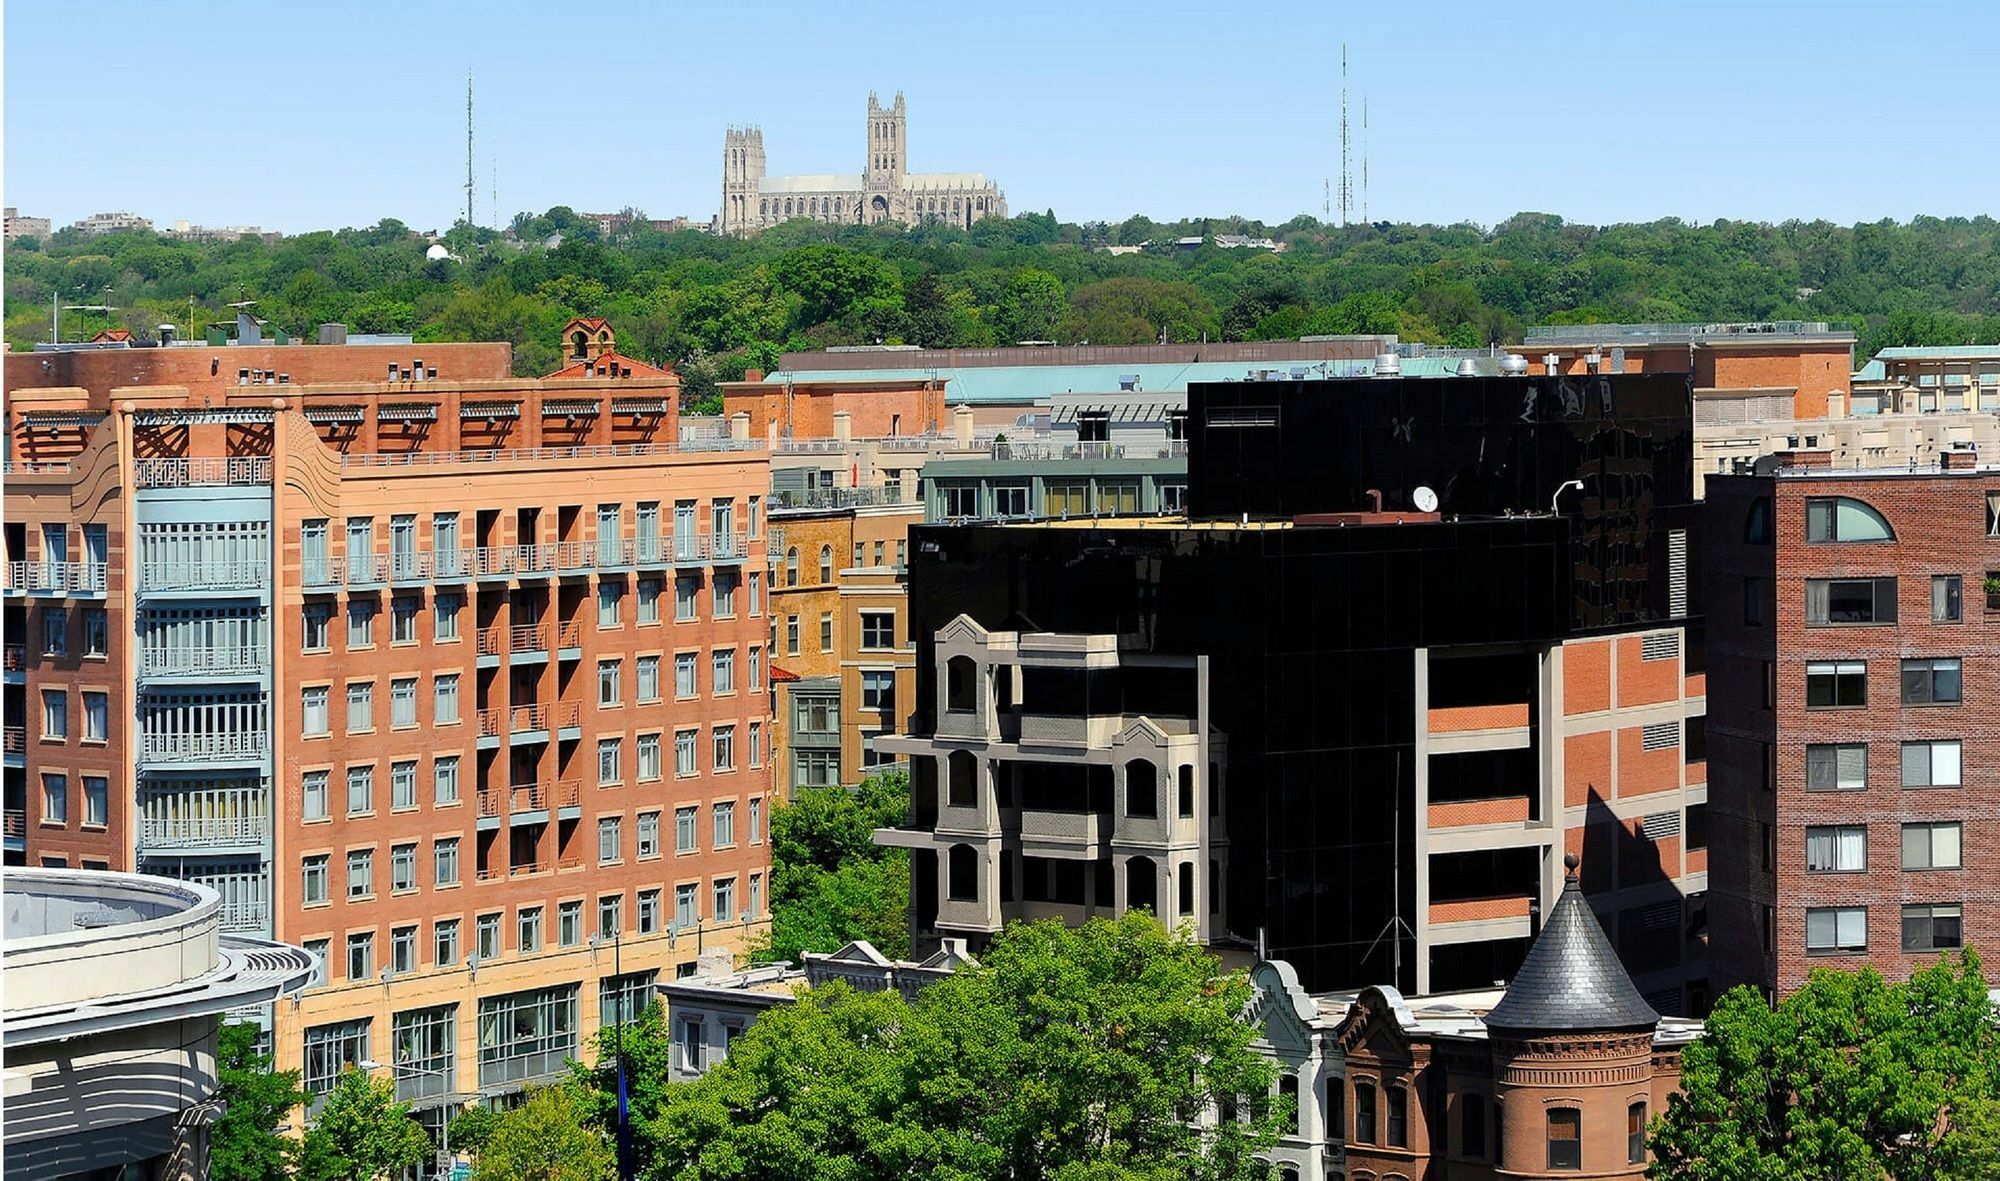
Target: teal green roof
column 1007, row 384
column 1950, row 352
column 1873, row 371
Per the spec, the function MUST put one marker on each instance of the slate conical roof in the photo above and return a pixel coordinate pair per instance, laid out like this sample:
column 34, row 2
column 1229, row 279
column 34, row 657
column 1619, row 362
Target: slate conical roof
column 1571, row 980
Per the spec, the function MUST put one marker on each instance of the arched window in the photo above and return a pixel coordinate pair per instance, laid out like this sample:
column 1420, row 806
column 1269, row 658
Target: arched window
column 792, row 566
column 1288, row 1104
column 826, row 563
column 1472, row 1126
column 963, row 772
column 1843, row 518
column 1398, row 1097
column 963, row 871
column 1757, row 524
column 1364, row 1112
column 580, row 343
column 960, row 685
column 763, row 209
column 1142, row 789
column 1142, row 885
column 1565, row 1138
column 1635, row 1134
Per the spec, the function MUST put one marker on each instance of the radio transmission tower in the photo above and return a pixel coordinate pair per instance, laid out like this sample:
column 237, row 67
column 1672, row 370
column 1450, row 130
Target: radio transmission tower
column 468, row 148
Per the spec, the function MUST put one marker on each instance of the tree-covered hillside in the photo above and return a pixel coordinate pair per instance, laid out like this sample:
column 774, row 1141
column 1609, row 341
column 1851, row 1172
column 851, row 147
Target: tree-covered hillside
column 713, row 307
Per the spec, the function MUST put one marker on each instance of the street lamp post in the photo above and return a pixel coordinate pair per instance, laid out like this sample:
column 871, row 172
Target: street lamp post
column 624, row 1143
column 395, row 1074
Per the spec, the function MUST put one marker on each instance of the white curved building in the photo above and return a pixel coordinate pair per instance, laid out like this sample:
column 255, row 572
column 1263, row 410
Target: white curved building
column 116, row 985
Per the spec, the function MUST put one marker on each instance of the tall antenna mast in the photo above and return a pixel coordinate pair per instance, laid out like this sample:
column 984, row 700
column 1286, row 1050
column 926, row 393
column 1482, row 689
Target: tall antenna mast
column 1364, row 158
column 1346, row 176
column 468, row 148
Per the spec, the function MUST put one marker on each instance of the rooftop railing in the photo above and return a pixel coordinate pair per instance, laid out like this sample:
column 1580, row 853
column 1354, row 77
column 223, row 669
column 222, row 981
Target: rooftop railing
column 533, row 454
column 37, row 467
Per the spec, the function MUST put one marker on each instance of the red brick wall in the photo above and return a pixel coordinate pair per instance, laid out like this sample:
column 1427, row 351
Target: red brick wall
column 875, row 409
column 102, row 370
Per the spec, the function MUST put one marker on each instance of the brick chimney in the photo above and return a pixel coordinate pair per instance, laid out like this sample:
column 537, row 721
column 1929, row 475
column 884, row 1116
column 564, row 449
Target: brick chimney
column 1961, row 458
column 1804, row 457
column 753, row 375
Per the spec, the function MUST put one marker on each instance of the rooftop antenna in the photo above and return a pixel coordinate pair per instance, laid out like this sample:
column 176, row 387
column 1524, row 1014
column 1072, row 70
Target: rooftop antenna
column 468, row 148
column 1364, row 158
column 1346, row 176
column 1395, row 928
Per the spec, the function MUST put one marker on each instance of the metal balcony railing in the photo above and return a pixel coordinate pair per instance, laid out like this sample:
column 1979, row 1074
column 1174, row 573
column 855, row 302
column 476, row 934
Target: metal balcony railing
column 17, row 657
column 193, row 832
column 180, row 661
column 528, row 454
column 229, row 575
column 17, row 822
column 37, row 467
column 50, row 575
column 567, row 716
column 570, row 635
column 16, row 739
column 513, row 719
column 245, row 916
column 178, row 748
column 202, row 470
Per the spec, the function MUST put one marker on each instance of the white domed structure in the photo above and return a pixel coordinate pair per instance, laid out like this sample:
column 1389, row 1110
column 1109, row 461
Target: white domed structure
column 436, row 252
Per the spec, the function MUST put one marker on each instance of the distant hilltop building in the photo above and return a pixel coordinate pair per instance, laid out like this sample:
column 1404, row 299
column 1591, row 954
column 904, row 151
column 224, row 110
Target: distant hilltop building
column 189, row 232
column 111, row 223
column 19, row 226
column 882, row 192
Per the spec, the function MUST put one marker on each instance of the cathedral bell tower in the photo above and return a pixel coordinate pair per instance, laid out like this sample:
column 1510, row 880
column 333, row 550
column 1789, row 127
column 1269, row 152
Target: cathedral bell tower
column 887, row 154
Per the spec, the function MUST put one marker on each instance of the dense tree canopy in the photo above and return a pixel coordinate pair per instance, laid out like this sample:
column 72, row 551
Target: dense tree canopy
column 713, row 306
column 1848, row 1077
column 245, row 1144
column 1065, row 1054
column 361, row 1133
column 830, row 883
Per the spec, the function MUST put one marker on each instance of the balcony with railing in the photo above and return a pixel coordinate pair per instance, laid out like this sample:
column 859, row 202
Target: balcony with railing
column 198, row 747
column 16, row 740
column 202, row 471
column 494, row 455
column 246, row 916
column 204, row 818
column 521, row 639
column 16, row 821
column 241, row 574
column 17, row 658
column 48, row 576
column 201, row 661
column 523, row 723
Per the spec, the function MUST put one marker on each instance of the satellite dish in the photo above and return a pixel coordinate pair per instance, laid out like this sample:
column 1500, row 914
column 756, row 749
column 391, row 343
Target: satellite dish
column 1425, row 499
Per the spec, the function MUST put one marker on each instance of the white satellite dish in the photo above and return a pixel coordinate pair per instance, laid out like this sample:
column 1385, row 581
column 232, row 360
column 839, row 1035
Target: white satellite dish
column 1425, row 499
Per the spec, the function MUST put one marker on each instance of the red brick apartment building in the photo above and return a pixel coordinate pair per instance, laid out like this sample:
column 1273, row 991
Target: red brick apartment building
column 461, row 683
column 1853, row 742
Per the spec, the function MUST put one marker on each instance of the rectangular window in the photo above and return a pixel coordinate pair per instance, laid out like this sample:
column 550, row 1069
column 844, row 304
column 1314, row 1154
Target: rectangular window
column 315, row 567
column 725, row 748
column 1837, row 848
column 610, row 916
column 685, row 675
column 1398, row 1102
column 403, row 546
column 444, row 780
column 361, row 873
column 685, row 823
column 1932, row 845
column 1565, row 1138
column 610, row 688
column 1842, row 767
column 610, row 841
column 756, row 669
column 686, row 589
column 649, row 600
column 313, row 719
column 444, row 703
column 791, row 635
column 96, row 631
column 961, row 500
column 754, row 821
column 1635, row 1134
column 313, row 875
column 446, row 609
column 486, row 935
column 1931, row 682
column 649, row 757
column 860, row 553
column 402, row 868
column 649, row 835
column 723, row 670
column 755, row 902
column 1931, row 764
column 55, row 798
column 688, row 1044
column 403, row 785
column 684, row 753
column 330, row 1050
column 403, row 949
column 826, row 631
column 403, row 619
column 610, row 760
column 360, row 789
column 1832, row 601
column 527, row 1034
column 361, row 549
column 96, row 717
column 55, row 632
column 312, row 795
column 609, row 595
column 878, row 688
column 444, row 542
column 444, row 855
column 361, row 707
column 756, row 593
column 756, row 744
column 816, row 768
column 403, row 702
column 317, row 617
column 1010, row 500
column 1932, row 928
column 569, row 923
column 878, row 630
column 646, row 520
column 725, row 824
column 444, row 942
column 649, row 912
column 96, row 801
column 649, row 679
column 816, row 715
column 361, row 623
column 528, row 930
column 725, row 900
column 55, row 714
column 1947, row 598
column 1836, row 929
column 684, row 915
column 1832, row 684
column 725, row 595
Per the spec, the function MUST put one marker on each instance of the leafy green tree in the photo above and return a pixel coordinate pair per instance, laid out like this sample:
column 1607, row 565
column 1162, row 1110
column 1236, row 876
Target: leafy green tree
column 830, row 883
column 245, row 1144
column 362, row 1133
column 472, row 1128
column 1067, row 1053
column 1848, row 1077
column 551, row 1137
column 927, row 312
column 648, row 1051
column 1033, row 305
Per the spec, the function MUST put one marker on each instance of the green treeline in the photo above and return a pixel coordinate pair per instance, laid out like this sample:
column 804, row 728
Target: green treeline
column 713, row 307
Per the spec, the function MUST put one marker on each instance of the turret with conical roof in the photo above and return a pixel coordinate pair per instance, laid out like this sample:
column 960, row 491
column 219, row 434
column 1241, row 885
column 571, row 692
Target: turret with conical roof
column 1572, row 978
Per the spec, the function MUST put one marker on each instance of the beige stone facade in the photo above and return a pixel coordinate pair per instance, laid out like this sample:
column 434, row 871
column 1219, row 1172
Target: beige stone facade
column 883, row 191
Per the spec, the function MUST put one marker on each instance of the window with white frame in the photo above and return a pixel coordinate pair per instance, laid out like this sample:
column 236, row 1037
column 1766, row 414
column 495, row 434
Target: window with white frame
column 878, row 631
column 685, row 825
column 444, row 699
column 313, row 719
column 312, row 795
column 725, row 900
column 649, row 600
column 313, row 879
column 361, row 623
column 756, row 659
column 609, row 598
column 55, row 714
column 725, row 824
column 360, row 873
column 687, row 589
column 685, row 674
column 444, row 780
column 610, row 760
column 648, row 689
column 756, row 744
column 96, row 717
column 445, row 609
column 444, row 861
column 444, row 942
column 569, row 923
column 403, row 702
column 648, row 836
column 684, row 905
column 723, row 671
column 403, row 611
column 330, row 1050
column 361, row 707
column 610, row 840
column 1932, row 844
column 649, row 912
column 685, row 760
column 1933, row 763
column 725, row 748
column 402, row 868
column 361, row 789
column 610, row 690
column 1837, row 848
column 878, row 688
column 649, row 757
column 403, row 784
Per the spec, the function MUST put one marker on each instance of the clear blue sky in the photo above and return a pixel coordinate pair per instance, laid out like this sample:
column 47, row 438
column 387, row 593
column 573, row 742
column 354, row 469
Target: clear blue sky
column 298, row 116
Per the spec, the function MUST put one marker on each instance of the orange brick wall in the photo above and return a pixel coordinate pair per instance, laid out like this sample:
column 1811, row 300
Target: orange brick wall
column 806, row 410
column 1645, row 682
column 1586, row 677
column 102, row 370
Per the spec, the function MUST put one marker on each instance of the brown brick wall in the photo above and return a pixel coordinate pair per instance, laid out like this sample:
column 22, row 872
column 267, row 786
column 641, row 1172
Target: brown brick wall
column 102, row 370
